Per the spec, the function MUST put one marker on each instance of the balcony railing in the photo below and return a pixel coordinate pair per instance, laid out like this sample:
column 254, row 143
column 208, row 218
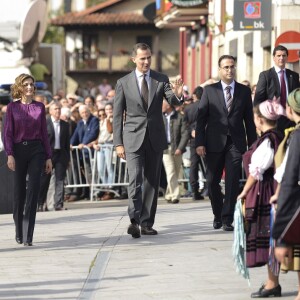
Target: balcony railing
column 116, row 62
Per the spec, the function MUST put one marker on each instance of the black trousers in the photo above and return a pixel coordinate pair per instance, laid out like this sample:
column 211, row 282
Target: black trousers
column 196, row 163
column 230, row 159
column 29, row 160
column 60, row 170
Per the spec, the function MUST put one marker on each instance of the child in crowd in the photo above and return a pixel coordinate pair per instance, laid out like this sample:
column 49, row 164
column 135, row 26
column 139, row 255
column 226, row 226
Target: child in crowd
column 288, row 195
column 259, row 187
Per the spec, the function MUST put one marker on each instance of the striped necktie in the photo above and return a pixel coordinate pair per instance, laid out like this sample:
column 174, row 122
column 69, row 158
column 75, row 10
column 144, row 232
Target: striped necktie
column 228, row 98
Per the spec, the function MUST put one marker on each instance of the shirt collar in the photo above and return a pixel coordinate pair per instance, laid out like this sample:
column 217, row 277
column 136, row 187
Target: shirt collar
column 277, row 69
column 140, row 74
column 224, row 85
column 53, row 120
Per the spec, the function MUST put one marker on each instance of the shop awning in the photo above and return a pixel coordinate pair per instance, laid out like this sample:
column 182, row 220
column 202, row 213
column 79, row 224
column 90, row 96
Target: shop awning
column 187, row 3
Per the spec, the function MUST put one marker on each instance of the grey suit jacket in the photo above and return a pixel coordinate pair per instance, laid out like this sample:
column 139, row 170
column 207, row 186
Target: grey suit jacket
column 131, row 119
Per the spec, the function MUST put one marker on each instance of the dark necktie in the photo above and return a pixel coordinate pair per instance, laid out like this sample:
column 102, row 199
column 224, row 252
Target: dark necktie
column 282, row 89
column 144, row 90
column 228, row 98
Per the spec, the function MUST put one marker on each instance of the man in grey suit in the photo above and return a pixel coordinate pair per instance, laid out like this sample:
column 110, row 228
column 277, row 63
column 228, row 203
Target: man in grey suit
column 139, row 135
column 225, row 128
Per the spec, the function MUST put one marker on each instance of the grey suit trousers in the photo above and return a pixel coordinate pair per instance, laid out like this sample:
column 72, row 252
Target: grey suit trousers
column 144, row 168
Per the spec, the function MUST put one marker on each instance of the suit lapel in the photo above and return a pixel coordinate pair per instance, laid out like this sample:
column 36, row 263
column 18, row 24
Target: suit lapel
column 289, row 77
column 153, row 88
column 133, row 86
column 52, row 133
column 236, row 93
column 276, row 81
column 221, row 97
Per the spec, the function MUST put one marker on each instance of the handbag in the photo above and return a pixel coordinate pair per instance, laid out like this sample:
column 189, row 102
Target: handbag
column 291, row 234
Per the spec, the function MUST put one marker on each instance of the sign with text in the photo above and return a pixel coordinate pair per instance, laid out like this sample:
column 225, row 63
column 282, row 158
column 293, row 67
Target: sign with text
column 252, row 15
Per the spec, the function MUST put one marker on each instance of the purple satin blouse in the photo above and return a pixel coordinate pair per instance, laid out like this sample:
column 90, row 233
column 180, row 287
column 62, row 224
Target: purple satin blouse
column 25, row 122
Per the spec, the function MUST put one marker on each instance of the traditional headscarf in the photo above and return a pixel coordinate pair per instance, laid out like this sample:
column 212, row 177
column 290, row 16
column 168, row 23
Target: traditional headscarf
column 294, row 100
column 272, row 109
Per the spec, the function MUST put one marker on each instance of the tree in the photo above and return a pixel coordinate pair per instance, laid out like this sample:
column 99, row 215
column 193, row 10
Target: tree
column 54, row 34
column 90, row 3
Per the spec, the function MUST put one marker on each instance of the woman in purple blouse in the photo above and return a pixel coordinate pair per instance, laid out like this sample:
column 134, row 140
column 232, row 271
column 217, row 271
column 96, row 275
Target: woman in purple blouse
column 27, row 147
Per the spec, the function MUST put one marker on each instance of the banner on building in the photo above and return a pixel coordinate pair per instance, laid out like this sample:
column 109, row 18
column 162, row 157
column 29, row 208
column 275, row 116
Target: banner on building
column 252, row 15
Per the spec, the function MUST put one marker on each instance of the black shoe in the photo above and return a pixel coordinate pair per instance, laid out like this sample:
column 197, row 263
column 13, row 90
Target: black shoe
column 204, row 192
column 264, row 293
column 197, row 196
column 217, row 224
column 134, row 230
column 175, row 201
column 40, row 207
column 148, row 231
column 28, row 244
column 60, row 208
column 19, row 240
column 227, row 227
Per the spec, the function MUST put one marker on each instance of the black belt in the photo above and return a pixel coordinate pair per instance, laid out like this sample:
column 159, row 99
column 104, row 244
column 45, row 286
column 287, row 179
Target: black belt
column 30, row 142
column 56, row 150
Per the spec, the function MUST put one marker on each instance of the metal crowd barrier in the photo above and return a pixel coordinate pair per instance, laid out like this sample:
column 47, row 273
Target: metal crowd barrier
column 103, row 170
column 100, row 170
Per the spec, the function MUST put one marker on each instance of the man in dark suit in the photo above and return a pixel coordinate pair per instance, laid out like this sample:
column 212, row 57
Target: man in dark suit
column 139, row 135
column 190, row 114
column 277, row 82
column 58, row 133
column 224, row 128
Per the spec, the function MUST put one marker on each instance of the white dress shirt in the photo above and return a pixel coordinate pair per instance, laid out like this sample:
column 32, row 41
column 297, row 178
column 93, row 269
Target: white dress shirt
column 140, row 76
column 224, row 85
column 56, row 125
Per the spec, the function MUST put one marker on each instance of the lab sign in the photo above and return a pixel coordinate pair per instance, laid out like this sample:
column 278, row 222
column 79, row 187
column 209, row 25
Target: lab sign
column 252, row 15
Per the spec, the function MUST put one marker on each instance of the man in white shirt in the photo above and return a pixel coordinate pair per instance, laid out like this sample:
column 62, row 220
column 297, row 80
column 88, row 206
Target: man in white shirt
column 277, row 82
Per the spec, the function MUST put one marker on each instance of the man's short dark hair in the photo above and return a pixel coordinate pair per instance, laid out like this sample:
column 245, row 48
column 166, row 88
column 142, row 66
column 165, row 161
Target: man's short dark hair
column 198, row 91
column 225, row 57
column 141, row 46
column 280, row 48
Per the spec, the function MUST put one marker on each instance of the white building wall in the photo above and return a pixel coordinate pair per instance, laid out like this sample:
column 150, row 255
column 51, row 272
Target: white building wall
column 285, row 17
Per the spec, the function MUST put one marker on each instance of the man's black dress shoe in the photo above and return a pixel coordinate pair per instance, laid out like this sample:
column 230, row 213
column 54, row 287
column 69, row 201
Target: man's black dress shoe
column 148, row 231
column 28, row 244
column 264, row 293
column 217, row 224
column 227, row 227
column 19, row 240
column 60, row 208
column 197, row 196
column 175, row 201
column 134, row 230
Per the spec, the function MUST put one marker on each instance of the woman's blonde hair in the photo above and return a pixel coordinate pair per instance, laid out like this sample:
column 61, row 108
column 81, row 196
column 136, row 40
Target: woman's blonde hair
column 17, row 88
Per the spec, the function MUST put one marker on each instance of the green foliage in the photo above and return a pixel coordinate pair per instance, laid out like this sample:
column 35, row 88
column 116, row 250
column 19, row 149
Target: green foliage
column 90, row 3
column 54, row 35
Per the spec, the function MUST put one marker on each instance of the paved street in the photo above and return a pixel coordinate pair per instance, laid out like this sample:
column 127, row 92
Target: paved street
column 85, row 253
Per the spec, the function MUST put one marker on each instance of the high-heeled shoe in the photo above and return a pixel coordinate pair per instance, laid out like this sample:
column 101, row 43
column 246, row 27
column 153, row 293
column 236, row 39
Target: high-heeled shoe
column 19, row 240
